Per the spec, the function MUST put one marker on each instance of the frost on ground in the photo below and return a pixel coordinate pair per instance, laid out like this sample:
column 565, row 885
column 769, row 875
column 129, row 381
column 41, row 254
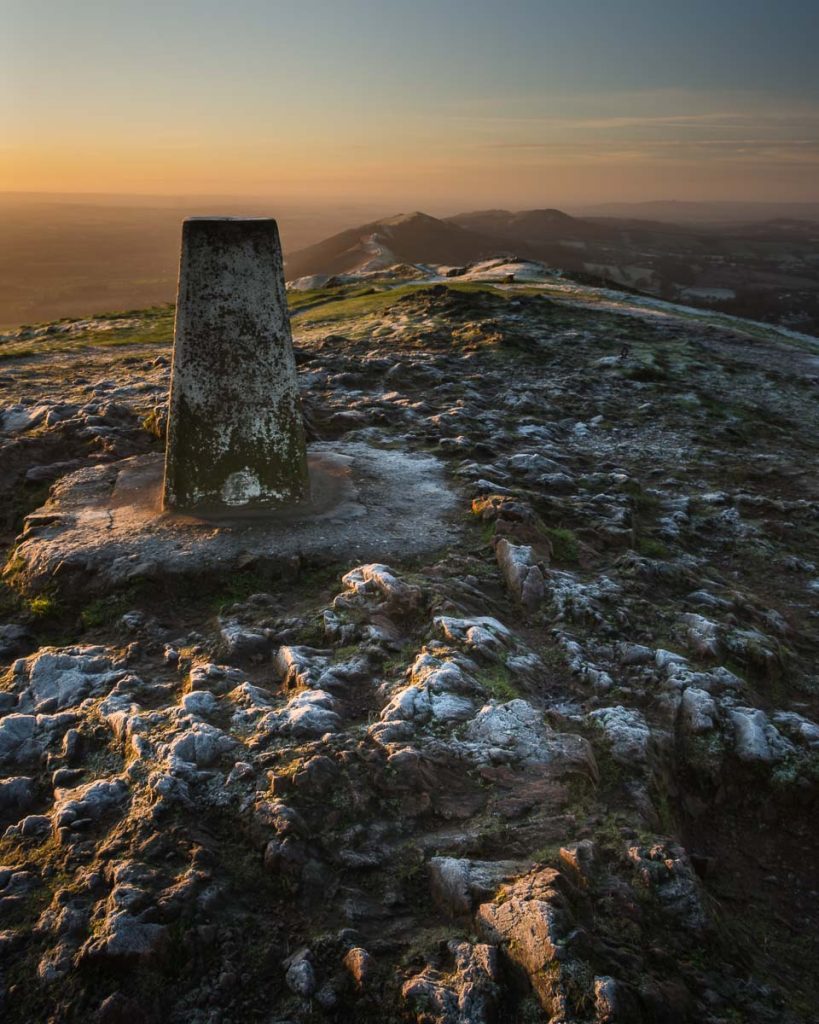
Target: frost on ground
column 564, row 769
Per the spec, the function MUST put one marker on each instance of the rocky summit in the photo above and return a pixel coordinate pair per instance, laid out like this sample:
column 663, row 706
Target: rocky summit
column 561, row 766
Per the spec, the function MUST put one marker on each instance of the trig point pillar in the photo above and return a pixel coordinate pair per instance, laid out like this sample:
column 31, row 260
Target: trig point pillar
column 235, row 434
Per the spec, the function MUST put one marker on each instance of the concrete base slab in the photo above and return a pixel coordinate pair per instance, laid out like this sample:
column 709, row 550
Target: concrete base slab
column 103, row 527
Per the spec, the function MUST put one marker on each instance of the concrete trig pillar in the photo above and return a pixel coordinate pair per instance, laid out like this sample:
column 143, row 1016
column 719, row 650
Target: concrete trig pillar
column 235, row 433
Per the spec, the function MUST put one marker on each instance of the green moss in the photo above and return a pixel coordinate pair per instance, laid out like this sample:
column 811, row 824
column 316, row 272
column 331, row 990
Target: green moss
column 334, row 305
column 704, row 753
column 652, row 548
column 353, row 305
column 402, row 659
column 549, row 854
column 487, row 531
column 154, row 424
column 642, row 501
column 103, row 762
column 612, row 774
column 102, row 612
column 10, row 599
column 313, row 634
column 154, row 327
column 799, row 768
column 497, row 682
column 238, row 587
column 44, row 606
column 647, row 372
column 342, row 653
column 565, row 546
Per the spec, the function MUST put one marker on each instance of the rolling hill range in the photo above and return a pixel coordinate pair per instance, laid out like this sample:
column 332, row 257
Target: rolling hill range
column 418, row 238
column 766, row 270
column 532, row 227
column 704, row 213
column 407, row 238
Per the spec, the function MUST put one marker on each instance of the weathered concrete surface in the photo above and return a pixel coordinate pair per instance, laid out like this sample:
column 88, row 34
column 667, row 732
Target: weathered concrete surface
column 103, row 526
column 235, row 433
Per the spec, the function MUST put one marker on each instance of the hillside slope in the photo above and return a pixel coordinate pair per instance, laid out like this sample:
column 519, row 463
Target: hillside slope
column 764, row 270
column 406, row 238
column 565, row 768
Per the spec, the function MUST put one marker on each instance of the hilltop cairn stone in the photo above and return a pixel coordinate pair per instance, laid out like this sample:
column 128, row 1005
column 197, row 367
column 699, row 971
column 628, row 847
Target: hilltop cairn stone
column 236, row 486
column 235, row 432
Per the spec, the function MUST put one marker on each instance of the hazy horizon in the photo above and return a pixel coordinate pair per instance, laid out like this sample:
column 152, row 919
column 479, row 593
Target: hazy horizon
column 69, row 255
column 121, row 118
column 339, row 208
column 448, row 106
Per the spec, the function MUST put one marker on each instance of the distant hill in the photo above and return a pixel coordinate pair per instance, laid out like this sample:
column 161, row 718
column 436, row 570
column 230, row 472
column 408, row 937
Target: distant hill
column 680, row 212
column 466, row 237
column 763, row 268
column 406, row 238
column 75, row 258
column 530, row 227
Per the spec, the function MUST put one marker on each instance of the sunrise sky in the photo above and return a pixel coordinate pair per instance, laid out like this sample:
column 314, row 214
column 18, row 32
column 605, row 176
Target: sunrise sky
column 456, row 103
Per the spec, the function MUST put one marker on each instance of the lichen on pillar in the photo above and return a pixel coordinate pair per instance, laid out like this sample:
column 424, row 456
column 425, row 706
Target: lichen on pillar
column 235, row 432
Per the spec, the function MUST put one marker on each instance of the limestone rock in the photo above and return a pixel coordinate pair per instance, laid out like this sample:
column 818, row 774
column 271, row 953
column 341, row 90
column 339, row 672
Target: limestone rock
column 378, row 581
column 698, row 711
column 756, row 740
column 516, row 732
column 531, row 923
column 468, row 993
column 626, row 730
column 300, row 975
column 93, row 800
column 796, row 727
column 244, row 643
column 299, row 667
column 17, row 739
column 459, row 884
column 667, row 871
column 359, row 965
column 483, row 634
column 62, row 678
column 17, row 793
column 522, row 575
column 201, row 745
column 126, row 939
column 310, row 713
column 439, row 691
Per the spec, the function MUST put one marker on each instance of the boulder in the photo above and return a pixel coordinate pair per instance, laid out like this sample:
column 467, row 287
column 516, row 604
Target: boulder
column 201, row 745
column 531, row 924
column 626, row 731
column 698, row 712
column 516, row 732
column 18, row 739
column 756, row 740
column 310, row 713
column 466, row 992
column 300, row 975
column 93, row 801
column 17, row 794
column 62, row 678
column 459, row 884
column 523, row 577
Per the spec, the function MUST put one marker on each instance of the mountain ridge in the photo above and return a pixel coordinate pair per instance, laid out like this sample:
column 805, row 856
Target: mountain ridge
column 403, row 238
column 763, row 270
